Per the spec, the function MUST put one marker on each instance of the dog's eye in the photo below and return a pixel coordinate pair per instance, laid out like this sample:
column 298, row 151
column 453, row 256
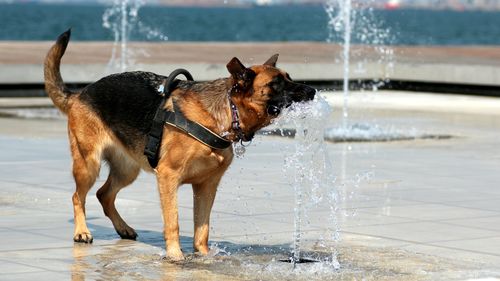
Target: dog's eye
column 273, row 110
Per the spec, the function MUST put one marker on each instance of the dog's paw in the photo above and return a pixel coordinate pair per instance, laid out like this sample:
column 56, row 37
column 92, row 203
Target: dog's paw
column 83, row 238
column 174, row 256
column 127, row 233
column 201, row 250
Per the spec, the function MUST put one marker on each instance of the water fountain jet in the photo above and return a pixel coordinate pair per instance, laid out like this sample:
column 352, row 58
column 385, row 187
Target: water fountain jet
column 346, row 12
column 339, row 15
column 121, row 19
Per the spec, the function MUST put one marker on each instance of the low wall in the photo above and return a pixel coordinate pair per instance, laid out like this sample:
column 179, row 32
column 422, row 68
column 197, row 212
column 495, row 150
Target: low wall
column 22, row 62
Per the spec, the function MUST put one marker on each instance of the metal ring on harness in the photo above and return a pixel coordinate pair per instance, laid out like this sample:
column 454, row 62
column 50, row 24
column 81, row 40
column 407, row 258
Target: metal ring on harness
column 171, row 78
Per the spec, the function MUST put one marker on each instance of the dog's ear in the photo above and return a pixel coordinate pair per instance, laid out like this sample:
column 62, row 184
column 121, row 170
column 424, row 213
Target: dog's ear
column 272, row 60
column 235, row 67
column 242, row 76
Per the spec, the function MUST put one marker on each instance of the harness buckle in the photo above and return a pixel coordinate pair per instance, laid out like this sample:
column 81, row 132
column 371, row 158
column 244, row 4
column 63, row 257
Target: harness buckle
column 161, row 88
column 235, row 125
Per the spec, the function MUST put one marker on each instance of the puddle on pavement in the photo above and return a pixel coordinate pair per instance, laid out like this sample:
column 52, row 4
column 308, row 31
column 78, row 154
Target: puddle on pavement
column 139, row 261
column 364, row 134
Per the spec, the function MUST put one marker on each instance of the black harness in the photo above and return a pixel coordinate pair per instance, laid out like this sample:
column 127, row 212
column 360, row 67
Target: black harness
column 176, row 119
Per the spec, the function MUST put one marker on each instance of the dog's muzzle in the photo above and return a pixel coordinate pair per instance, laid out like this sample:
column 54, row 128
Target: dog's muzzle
column 301, row 93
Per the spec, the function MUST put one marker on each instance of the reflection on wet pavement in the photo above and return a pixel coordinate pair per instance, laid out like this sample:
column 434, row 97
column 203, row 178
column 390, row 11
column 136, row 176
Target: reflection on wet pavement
column 137, row 261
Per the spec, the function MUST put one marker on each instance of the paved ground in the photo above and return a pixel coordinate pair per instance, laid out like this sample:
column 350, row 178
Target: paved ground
column 22, row 62
column 410, row 210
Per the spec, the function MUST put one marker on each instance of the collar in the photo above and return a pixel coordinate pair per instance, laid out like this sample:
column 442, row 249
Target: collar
column 235, row 124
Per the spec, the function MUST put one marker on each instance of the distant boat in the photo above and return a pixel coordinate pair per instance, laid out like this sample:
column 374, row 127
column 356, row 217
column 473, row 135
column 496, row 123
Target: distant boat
column 392, row 5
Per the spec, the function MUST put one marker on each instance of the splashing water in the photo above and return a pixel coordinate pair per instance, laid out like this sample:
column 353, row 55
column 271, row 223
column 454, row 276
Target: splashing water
column 309, row 171
column 122, row 18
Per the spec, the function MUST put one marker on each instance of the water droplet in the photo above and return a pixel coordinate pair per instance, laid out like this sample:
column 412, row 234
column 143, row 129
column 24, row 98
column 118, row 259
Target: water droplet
column 338, row 26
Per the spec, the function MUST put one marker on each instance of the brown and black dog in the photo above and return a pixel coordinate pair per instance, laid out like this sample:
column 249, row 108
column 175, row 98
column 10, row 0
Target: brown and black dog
column 110, row 119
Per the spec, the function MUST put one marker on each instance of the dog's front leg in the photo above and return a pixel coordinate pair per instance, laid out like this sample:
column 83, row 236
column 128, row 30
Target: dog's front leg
column 168, row 182
column 203, row 198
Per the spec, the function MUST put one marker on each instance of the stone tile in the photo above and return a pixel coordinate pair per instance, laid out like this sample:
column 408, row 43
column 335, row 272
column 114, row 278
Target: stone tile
column 487, row 223
column 486, row 261
column 488, row 204
column 421, row 232
column 443, row 195
column 431, row 212
column 361, row 218
column 31, row 220
column 489, row 246
column 9, row 267
column 42, row 275
column 28, row 240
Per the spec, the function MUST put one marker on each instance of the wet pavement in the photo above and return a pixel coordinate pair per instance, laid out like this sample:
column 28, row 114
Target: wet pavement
column 424, row 209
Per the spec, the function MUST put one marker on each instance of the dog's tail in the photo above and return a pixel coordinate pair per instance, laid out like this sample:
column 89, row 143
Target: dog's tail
column 54, row 85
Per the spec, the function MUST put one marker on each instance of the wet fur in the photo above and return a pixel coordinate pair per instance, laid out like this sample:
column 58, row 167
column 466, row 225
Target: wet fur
column 109, row 120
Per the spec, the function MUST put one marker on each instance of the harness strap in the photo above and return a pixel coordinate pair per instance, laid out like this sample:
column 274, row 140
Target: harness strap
column 176, row 119
column 235, row 124
column 152, row 148
column 155, row 135
column 195, row 130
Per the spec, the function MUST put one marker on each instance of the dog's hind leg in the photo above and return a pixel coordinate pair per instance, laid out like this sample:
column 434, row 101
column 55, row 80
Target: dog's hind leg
column 86, row 165
column 122, row 172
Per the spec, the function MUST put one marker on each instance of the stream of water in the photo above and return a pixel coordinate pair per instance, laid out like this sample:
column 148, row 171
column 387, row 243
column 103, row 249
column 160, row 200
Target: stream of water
column 309, row 171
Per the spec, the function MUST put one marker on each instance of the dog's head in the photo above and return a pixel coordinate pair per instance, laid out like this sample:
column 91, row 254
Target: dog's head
column 265, row 89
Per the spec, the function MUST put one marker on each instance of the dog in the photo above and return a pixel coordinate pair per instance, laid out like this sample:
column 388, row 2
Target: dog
column 109, row 121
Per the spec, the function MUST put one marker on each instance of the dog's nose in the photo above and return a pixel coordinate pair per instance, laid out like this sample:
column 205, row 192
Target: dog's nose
column 310, row 92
